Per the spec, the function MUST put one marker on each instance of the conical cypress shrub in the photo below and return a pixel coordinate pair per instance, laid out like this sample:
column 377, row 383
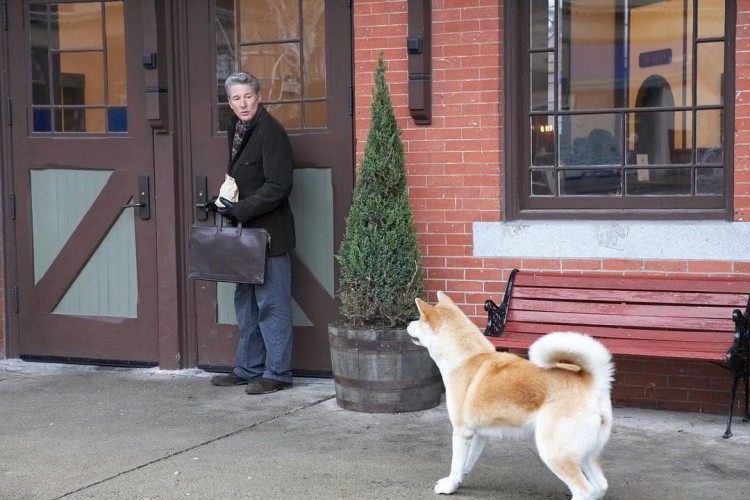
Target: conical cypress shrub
column 379, row 257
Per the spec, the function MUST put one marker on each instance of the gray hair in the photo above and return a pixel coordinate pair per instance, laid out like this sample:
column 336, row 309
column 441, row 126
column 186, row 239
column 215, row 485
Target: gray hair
column 242, row 78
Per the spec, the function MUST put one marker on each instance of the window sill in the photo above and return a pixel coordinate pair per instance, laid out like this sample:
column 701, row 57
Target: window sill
column 657, row 240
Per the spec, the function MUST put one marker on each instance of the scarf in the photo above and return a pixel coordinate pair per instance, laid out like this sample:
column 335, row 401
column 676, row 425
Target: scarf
column 239, row 133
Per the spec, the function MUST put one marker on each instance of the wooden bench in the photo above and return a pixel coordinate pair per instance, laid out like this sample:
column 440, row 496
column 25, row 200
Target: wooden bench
column 659, row 317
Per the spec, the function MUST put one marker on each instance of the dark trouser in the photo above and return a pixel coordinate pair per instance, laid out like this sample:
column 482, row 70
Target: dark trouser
column 264, row 316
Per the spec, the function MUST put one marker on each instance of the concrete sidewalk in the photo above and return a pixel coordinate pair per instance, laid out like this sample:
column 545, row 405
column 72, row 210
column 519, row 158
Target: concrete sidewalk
column 80, row 432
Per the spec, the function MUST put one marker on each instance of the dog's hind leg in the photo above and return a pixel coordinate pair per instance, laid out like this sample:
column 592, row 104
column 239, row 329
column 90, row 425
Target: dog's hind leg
column 593, row 471
column 569, row 471
column 565, row 461
column 450, row 484
column 475, row 451
column 591, row 466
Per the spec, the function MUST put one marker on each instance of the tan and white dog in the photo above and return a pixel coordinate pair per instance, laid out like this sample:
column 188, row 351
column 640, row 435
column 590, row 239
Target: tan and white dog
column 561, row 396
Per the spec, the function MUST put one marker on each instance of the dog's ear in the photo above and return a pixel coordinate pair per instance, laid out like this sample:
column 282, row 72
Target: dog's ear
column 442, row 297
column 423, row 307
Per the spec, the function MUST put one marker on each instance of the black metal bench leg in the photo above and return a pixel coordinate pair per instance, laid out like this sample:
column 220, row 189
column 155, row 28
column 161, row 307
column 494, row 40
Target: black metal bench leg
column 738, row 359
column 728, row 432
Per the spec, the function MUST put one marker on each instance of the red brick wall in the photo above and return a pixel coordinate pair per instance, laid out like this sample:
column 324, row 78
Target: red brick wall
column 673, row 385
column 455, row 169
column 454, row 165
column 742, row 116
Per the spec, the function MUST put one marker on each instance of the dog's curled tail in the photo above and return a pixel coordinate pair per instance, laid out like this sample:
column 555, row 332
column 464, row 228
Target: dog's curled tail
column 563, row 349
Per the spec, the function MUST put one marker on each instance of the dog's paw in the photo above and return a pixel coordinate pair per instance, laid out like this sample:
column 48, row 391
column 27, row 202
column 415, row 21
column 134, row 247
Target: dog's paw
column 446, row 486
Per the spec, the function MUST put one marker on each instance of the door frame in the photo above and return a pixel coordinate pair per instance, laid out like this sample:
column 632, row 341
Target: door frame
column 342, row 184
column 9, row 272
column 172, row 190
column 170, row 345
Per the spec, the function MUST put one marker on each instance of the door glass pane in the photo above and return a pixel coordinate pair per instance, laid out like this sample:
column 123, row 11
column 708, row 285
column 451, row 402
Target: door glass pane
column 80, row 79
column 70, row 119
column 77, row 60
column 277, row 66
column 314, row 44
column 225, row 50
column 79, row 26
column 115, row 57
column 268, row 20
column 315, row 114
column 283, row 44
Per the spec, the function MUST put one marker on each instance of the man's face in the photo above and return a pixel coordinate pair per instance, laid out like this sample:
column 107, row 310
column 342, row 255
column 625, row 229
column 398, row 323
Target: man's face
column 243, row 101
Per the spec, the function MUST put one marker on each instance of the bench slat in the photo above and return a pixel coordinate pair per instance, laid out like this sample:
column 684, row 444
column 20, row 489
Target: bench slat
column 673, row 283
column 609, row 308
column 678, row 336
column 708, row 352
column 630, row 296
column 667, row 323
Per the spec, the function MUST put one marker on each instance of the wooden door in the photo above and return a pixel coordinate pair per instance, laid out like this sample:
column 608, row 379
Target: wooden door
column 301, row 52
column 82, row 175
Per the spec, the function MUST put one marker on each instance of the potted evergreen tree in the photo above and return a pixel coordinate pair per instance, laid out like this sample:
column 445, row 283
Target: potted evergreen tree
column 376, row 367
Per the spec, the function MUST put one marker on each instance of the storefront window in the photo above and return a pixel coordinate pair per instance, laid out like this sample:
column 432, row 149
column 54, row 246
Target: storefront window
column 625, row 105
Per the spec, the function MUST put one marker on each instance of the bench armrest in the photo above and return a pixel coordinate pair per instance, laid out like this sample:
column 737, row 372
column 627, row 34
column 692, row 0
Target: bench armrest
column 738, row 357
column 498, row 315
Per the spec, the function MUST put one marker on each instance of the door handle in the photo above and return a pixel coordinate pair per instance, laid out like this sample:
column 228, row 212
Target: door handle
column 201, row 197
column 143, row 206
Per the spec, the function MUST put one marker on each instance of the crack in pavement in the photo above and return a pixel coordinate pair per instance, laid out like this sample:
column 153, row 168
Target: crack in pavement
column 194, row 447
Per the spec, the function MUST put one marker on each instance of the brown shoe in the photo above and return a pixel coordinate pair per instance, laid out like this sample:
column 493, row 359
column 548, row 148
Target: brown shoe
column 267, row 386
column 228, row 380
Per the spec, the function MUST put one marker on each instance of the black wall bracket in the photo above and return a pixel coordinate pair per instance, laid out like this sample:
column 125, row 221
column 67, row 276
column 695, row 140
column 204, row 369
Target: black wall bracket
column 419, row 52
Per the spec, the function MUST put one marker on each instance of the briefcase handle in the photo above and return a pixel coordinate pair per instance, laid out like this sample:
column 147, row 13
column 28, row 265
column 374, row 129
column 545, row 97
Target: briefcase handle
column 218, row 218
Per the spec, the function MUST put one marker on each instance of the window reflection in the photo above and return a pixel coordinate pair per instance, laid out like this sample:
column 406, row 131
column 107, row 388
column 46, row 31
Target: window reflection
column 659, row 181
column 282, row 42
column 590, row 139
column 709, row 181
column 626, row 97
column 660, row 138
column 710, row 58
column 599, row 181
column 709, row 137
column 77, row 59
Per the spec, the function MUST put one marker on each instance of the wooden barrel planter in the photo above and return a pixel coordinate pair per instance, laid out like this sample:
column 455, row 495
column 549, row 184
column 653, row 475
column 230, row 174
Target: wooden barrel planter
column 382, row 371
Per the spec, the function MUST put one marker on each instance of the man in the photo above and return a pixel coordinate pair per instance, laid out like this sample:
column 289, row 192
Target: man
column 261, row 162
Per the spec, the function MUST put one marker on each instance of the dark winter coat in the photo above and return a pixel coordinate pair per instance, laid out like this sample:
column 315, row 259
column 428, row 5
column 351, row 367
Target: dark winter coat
column 263, row 170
